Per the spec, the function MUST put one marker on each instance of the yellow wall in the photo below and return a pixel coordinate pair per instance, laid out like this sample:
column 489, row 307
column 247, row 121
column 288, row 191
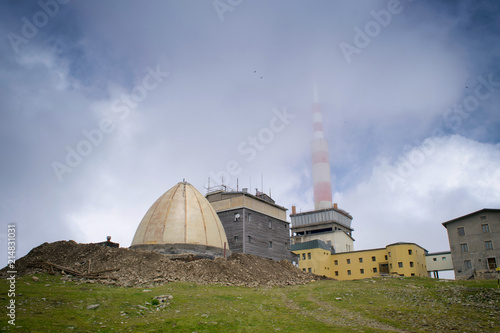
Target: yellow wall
column 316, row 261
column 366, row 264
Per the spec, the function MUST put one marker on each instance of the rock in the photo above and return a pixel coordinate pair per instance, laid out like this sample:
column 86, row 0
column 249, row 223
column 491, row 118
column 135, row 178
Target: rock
column 142, row 307
column 34, row 278
column 93, row 306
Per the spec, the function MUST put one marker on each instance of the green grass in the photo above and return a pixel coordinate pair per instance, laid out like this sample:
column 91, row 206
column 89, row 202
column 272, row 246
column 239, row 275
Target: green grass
column 378, row 305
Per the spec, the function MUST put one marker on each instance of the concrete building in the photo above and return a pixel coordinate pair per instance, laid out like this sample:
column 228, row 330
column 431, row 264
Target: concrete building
column 475, row 244
column 404, row 259
column 438, row 262
column 254, row 224
column 182, row 221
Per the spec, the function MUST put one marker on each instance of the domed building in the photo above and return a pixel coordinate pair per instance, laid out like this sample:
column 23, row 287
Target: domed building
column 182, row 221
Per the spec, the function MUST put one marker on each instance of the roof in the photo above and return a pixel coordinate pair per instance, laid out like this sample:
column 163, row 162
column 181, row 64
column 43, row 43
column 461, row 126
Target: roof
column 341, row 211
column 181, row 215
column 261, row 197
column 407, row 243
column 313, row 244
column 437, row 253
column 484, row 210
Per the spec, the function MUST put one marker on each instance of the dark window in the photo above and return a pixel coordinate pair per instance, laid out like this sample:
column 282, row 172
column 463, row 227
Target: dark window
column 336, row 262
column 464, row 247
column 270, row 245
column 287, row 246
column 309, row 255
column 482, row 217
column 309, row 270
column 249, row 239
column 374, row 269
column 492, row 263
column 303, row 256
column 348, row 261
column 412, row 274
column 486, row 228
column 336, row 273
column 410, row 252
column 374, row 259
column 489, row 245
column 411, row 263
column 270, row 224
column 467, row 264
column 385, row 257
column 400, row 264
column 349, row 272
column 362, row 271
column 461, row 231
column 236, row 238
column 360, row 259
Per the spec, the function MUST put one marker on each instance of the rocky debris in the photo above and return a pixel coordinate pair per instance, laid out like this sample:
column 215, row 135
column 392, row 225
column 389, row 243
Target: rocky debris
column 93, row 306
column 134, row 267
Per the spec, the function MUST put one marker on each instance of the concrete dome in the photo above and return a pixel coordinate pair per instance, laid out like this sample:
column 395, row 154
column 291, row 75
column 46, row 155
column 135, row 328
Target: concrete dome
column 181, row 221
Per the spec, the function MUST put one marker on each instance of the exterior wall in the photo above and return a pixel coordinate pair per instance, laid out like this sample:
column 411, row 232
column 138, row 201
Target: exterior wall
column 440, row 261
column 259, row 232
column 315, row 261
column 340, row 241
column 473, row 260
column 405, row 259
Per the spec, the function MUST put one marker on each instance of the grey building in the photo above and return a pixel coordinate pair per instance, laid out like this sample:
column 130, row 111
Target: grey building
column 475, row 244
column 254, row 224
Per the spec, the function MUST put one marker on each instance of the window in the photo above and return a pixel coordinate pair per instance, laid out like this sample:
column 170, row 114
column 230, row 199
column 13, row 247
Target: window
column 303, row 256
column 348, row 261
column 486, row 228
column 467, row 264
column 374, row 269
column 410, row 252
column 482, row 217
column 349, row 272
column 386, row 257
column 362, row 271
column 411, row 263
column 464, row 247
column 249, row 239
column 336, row 273
column 309, row 255
column 443, row 258
column 461, row 231
column 360, row 260
column 374, row 259
column 270, row 245
column 304, row 269
column 434, row 259
column 412, row 274
column 270, row 224
column 236, row 238
column 336, row 262
column 249, row 217
column 309, row 270
column 287, row 246
column 488, row 245
column 389, row 254
column 400, row 264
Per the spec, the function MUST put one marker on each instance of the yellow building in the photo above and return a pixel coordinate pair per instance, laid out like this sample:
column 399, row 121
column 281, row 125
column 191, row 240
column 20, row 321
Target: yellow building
column 404, row 259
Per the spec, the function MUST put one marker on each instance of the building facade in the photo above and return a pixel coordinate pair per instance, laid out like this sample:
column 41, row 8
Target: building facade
column 475, row 244
column 254, row 224
column 403, row 259
column 437, row 262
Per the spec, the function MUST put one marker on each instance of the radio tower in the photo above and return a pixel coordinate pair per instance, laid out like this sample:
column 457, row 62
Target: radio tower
column 320, row 164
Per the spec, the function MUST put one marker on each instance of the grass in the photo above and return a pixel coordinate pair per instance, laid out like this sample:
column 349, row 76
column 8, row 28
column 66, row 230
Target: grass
column 379, row 305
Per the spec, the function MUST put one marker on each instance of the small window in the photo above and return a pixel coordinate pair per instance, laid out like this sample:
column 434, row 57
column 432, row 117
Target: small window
column 410, row 252
column 309, row 270
column 336, row 273
column 464, row 247
column 461, row 231
column 236, row 238
column 385, row 257
column 374, row 269
column 309, row 255
column 486, row 227
column 270, row 224
column 488, row 245
column 348, row 261
column 492, row 263
column 349, row 272
column 412, row 274
column 374, row 259
column 362, row 271
column 482, row 217
column 467, row 264
column 411, row 263
column 303, row 256
column 434, row 259
column 304, row 269
column 270, row 245
column 249, row 217
column 336, row 262
column 443, row 258
column 249, row 239
column 360, row 260
column 287, row 246
column 400, row 264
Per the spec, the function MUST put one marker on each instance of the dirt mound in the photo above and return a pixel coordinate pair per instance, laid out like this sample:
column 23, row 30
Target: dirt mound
column 83, row 262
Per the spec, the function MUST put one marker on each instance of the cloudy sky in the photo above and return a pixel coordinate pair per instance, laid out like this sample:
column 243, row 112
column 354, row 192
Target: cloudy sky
column 105, row 105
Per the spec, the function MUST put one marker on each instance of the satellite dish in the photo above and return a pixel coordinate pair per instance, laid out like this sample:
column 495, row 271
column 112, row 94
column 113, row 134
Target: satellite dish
column 236, row 216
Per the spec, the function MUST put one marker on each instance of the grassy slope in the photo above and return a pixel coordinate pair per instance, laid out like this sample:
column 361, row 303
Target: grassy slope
column 411, row 305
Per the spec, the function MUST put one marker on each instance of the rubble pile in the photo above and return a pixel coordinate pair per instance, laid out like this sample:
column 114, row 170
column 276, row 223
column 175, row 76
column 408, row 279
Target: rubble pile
column 131, row 267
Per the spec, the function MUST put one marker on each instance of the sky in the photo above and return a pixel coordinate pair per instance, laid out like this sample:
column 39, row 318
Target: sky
column 105, row 105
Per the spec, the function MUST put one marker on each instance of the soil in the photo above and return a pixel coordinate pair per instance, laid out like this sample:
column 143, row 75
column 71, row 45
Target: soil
column 140, row 267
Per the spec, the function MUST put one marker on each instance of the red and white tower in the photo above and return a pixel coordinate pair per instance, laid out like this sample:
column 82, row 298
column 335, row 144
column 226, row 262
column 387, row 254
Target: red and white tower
column 320, row 164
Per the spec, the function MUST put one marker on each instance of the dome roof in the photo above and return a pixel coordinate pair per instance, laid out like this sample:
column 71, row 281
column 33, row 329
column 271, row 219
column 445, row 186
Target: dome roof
column 181, row 215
